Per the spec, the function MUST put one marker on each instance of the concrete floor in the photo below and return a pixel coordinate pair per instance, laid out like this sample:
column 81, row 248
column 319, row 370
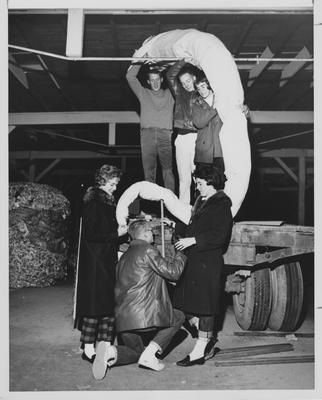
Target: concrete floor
column 45, row 355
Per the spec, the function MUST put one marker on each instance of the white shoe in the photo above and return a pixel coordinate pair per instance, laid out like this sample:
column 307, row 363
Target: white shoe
column 105, row 356
column 148, row 360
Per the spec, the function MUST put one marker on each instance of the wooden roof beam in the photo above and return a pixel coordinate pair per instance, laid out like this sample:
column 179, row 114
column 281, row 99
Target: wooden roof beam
column 172, row 6
column 133, row 151
column 131, row 117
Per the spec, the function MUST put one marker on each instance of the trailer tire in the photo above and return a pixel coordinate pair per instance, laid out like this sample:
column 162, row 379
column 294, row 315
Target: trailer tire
column 287, row 297
column 252, row 307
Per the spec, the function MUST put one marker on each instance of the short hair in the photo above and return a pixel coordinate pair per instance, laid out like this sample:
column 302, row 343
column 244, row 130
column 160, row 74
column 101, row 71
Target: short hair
column 187, row 69
column 138, row 227
column 201, row 78
column 105, row 173
column 212, row 174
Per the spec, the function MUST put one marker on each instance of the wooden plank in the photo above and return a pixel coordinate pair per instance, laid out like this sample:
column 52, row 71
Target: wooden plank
column 293, row 236
column 301, row 192
column 299, row 359
column 274, row 334
column 128, row 117
column 238, row 352
column 77, row 154
column 111, row 133
column 285, row 153
column 174, row 5
column 75, row 32
column 281, row 117
column 74, row 117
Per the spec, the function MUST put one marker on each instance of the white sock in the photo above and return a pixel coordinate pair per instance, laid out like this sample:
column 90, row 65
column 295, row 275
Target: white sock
column 89, row 349
column 194, row 321
column 199, row 350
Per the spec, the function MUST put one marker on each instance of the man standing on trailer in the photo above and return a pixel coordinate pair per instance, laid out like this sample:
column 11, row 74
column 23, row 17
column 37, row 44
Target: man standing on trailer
column 156, row 120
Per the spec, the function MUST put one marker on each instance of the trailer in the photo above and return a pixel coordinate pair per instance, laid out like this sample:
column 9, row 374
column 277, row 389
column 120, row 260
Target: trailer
column 264, row 276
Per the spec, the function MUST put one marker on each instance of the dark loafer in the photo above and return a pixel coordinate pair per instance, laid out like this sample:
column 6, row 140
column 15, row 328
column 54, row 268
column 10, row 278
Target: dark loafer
column 185, row 362
column 90, row 360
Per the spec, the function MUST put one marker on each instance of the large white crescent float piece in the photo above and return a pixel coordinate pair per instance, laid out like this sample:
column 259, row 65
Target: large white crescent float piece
column 210, row 54
column 151, row 191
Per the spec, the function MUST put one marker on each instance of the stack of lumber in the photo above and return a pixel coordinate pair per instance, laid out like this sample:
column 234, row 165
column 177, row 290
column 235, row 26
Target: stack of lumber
column 38, row 235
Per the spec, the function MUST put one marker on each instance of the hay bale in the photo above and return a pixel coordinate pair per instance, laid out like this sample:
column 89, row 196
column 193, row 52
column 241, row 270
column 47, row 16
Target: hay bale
column 38, row 235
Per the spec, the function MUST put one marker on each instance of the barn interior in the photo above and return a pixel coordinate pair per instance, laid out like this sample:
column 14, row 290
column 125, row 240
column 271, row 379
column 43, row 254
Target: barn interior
column 71, row 109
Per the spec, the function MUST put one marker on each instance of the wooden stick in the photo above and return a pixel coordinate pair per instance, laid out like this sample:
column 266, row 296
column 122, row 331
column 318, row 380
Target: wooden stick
column 250, row 348
column 162, row 228
column 253, row 351
column 76, row 278
column 266, row 361
column 276, row 334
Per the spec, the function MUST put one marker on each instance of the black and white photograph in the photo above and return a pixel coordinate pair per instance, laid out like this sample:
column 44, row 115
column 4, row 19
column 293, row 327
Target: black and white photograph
column 159, row 199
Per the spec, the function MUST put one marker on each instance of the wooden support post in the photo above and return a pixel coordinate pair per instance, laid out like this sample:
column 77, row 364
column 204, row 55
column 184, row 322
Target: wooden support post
column 123, row 164
column 75, row 32
column 32, row 171
column 111, row 133
column 301, row 191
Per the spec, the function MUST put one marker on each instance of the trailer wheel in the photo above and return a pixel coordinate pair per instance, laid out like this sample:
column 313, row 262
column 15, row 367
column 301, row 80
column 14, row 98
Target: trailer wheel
column 252, row 306
column 287, row 297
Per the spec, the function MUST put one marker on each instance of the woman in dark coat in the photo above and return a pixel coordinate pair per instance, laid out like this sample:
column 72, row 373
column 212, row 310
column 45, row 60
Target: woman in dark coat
column 97, row 261
column 198, row 290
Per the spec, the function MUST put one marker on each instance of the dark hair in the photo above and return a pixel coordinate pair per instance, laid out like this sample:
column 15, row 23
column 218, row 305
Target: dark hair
column 137, row 227
column 153, row 71
column 212, row 174
column 187, row 69
column 201, row 78
column 105, row 173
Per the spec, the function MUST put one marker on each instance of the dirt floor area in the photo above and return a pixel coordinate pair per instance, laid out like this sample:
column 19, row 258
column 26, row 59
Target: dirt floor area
column 45, row 354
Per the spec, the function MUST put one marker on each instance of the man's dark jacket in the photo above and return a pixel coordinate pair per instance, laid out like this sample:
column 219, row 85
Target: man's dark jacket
column 141, row 294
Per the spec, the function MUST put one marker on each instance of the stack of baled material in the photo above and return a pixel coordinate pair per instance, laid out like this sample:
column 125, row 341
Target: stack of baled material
column 38, row 235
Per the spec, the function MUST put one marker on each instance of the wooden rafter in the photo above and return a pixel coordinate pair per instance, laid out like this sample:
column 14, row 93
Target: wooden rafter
column 25, row 32
column 286, row 168
column 47, row 169
column 273, row 49
column 18, row 72
column 241, row 36
column 257, row 69
column 293, row 67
